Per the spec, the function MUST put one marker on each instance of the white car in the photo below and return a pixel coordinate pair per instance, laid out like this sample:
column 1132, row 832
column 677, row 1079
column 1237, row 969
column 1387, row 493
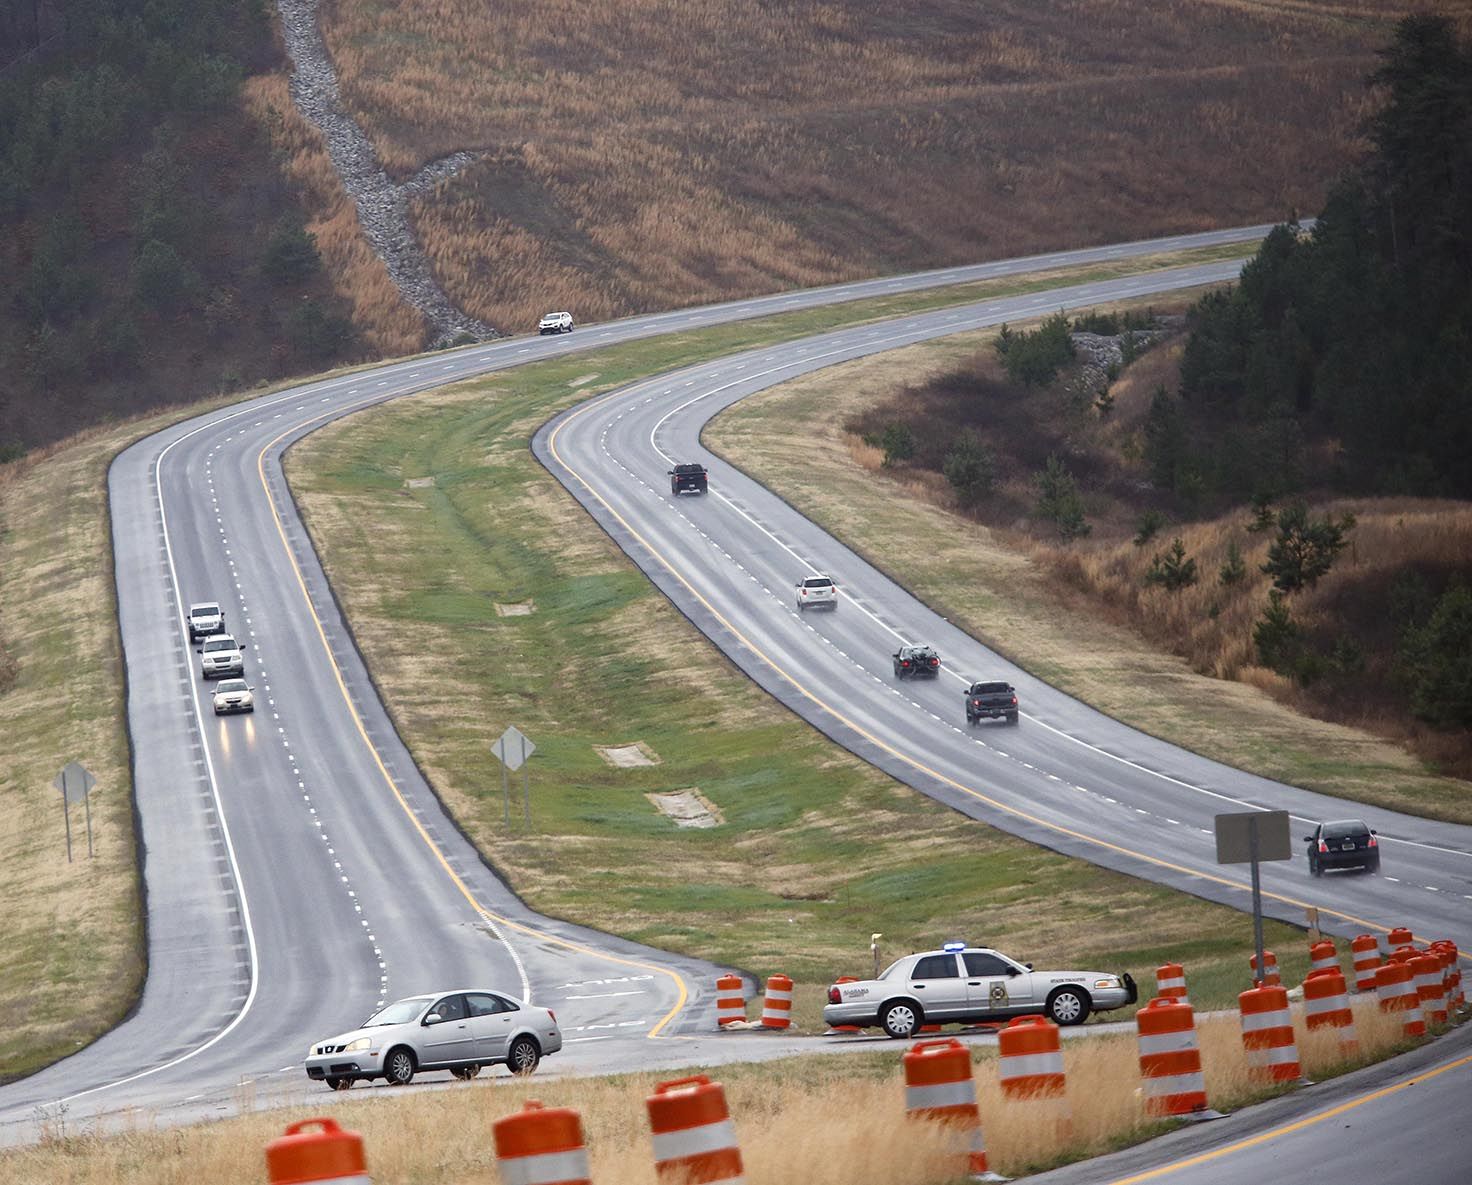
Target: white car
column 817, row 591
column 233, row 695
column 460, row 1030
column 555, row 323
column 221, row 656
column 205, row 618
column 966, row 984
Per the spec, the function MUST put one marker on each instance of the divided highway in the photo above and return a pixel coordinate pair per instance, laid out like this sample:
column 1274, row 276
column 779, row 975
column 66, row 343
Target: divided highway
column 299, row 869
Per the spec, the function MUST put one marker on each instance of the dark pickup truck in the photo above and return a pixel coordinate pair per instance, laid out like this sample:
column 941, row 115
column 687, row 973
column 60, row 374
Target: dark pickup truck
column 991, row 700
column 688, row 479
column 916, row 660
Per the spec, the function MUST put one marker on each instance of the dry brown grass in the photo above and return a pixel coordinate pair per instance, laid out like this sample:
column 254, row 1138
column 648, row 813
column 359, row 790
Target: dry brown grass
column 653, row 154
column 388, row 325
column 856, row 1102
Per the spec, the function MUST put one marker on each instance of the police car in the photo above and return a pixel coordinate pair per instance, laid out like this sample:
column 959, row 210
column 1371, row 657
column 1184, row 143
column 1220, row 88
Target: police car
column 966, row 984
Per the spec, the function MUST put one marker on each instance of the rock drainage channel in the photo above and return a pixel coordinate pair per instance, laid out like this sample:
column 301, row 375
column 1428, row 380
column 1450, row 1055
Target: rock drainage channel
column 382, row 205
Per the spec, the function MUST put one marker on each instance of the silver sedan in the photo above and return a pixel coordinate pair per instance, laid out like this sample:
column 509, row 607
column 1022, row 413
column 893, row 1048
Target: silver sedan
column 459, row 1030
column 961, row 983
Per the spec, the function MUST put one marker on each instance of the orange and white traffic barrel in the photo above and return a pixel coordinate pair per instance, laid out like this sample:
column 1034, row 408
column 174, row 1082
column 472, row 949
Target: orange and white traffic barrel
column 1322, row 956
column 326, row 1156
column 1326, row 1005
column 1269, row 976
column 1170, row 983
column 1366, row 953
column 1170, row 1059
column 1396, row 988
column 730, row 1003
column 1267, row 1034
column 1398, row 937
column 939, row 1087
column 694, row 1138
column 777, row 1003
column 1456, row 998
column 1031, row 1066
column 1430, row 991
column 541, row 1146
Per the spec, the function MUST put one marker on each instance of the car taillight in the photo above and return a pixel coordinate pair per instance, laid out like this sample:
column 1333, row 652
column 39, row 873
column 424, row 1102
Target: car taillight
column 1372, row 843
column 835, row 996
column 1014, row 700
column 1323, row 847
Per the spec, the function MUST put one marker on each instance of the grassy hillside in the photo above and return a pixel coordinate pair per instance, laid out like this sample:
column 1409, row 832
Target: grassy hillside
column 656, row 154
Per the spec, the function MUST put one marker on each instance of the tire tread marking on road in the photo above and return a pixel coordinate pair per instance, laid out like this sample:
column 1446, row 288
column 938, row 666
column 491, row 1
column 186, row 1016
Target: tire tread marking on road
column 492, row 918
column 876, row 741
column 1295, row 1126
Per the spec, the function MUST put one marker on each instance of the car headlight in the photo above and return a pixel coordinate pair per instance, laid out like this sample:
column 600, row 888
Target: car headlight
column 1109, row 981
column 358, row 1046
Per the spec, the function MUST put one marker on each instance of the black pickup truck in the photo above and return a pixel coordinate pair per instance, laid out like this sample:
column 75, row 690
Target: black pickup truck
column 991, row 700
column 688, row 479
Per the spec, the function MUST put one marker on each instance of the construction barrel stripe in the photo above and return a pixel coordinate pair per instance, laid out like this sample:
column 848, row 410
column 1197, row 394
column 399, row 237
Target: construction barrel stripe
column 940, row 1096
column 694, row 1141
column 546, row 1168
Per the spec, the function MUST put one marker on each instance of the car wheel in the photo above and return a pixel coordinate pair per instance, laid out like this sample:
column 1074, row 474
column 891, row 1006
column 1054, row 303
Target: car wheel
column 339, row 1083
column 466, row 1073
column 1068, row 1006
column 398, row 1066
column 523, row 1057
column 900, row 1018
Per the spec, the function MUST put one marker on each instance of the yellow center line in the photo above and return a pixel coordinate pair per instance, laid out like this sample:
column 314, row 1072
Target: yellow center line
column 876, row 741
column 682, row 992
column 1289, row 1128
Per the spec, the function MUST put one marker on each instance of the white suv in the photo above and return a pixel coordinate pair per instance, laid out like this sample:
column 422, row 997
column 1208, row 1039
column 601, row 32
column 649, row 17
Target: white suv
column 817, row 590
column 555, row 323
column 205, row 618
column 222, row 656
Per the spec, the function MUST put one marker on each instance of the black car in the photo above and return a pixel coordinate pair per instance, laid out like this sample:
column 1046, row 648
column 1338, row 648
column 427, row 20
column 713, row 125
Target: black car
column 688, row 479
column 916, row 660
column 1349, row 843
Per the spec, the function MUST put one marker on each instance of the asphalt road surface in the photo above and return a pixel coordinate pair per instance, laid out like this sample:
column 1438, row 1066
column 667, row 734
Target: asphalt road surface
column 298, row 868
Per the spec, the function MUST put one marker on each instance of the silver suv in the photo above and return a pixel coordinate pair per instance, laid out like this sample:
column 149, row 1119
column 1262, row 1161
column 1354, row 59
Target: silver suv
column 817, row 590
column 221, row 656
column 205, row 618
column 460, row 1030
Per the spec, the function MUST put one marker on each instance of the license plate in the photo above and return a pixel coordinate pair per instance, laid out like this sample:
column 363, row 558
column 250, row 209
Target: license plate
column 1349, row 847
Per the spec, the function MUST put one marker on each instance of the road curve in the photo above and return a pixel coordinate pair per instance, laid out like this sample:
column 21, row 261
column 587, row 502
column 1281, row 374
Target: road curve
column 1068, row 777
column 297, row 866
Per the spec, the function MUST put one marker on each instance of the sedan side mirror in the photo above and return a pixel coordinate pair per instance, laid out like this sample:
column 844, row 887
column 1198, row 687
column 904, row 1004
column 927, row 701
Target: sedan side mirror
column 433, row 1018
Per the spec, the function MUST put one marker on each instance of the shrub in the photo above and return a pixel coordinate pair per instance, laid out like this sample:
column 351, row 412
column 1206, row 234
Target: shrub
column 317, row 333
column 1033, row 359
column 1059, row 500
column 970, row 468
column 162, row 279
column 291, row 253
column 1438, row 660
column 1304, row 550
column 1173, row 570
column 1148, row 526
column 897, row 440
column 1233, row 569
column 1275, row 636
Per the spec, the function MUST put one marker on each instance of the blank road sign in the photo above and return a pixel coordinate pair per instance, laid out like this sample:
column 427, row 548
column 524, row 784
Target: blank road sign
column 1234, row 836
column 74, row 781
column 513, row 748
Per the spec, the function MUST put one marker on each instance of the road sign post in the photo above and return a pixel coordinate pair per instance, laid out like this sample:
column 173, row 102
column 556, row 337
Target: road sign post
column 75, row 782
column 1249, row 837
column 513, row 747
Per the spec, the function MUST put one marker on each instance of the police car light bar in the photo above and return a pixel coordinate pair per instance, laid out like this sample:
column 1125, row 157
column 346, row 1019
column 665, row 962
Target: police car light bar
column 953, row 947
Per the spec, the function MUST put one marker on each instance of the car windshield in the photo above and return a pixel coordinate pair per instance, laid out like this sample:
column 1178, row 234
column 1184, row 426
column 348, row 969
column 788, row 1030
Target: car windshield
column 399, row 1012
column 205, row 611
column 219, row 644
column 230, row 685
column 1348, row 827
column 988, row 688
